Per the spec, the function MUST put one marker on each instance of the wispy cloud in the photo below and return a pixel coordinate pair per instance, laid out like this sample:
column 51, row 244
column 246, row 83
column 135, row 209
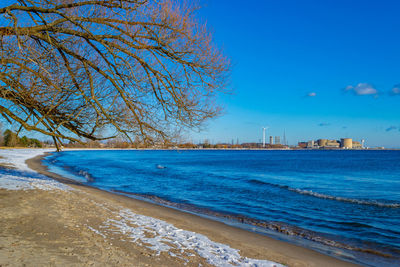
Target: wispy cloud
column 395, row 90
column 311, row 94
column 362, row 89
column 391, row 128
column 322, row 124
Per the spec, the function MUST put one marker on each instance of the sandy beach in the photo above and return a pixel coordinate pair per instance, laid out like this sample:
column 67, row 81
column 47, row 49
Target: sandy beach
column 67, row 224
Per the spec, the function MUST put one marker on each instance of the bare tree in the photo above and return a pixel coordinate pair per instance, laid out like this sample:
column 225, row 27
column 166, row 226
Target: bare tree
column 74, row 69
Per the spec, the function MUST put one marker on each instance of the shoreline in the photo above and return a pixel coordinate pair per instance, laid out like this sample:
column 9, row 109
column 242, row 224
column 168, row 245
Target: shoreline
column 250, row 244
column 214, row 149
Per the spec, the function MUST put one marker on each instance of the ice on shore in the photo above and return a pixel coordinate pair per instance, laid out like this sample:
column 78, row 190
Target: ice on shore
column 19, row 182
column 161, row 236
column 23, row 178
column 17, row 157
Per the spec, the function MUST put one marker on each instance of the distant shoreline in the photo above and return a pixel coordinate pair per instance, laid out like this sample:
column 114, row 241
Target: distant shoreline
column 213, row 149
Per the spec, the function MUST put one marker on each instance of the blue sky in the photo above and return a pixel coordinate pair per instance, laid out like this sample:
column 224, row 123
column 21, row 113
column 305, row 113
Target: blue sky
column 316, row 69
column 294, row 60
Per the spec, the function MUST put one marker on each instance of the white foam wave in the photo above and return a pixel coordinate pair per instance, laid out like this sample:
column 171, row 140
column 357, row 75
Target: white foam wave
column 161, row 236
column 343, row 199
column 324, row 196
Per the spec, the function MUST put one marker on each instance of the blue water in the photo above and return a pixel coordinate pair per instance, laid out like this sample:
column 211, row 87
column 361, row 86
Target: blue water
column 349, row 200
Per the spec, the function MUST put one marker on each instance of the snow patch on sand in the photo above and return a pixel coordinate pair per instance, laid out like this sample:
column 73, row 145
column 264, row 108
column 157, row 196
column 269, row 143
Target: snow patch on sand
column 23, row 178
column 17, row 157
column 161, row 236
column 14, row 182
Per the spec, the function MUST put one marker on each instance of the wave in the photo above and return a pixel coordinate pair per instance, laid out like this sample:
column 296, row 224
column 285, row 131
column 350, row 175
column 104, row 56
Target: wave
column 86, row 174
column 280, row 227
column 325, row 196
column 76, row 172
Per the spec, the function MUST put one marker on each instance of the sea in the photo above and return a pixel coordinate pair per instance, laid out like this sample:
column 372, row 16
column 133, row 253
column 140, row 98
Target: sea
column 343, row 203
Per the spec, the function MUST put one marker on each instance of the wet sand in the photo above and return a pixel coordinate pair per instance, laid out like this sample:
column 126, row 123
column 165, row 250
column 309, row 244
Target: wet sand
column 58, row 228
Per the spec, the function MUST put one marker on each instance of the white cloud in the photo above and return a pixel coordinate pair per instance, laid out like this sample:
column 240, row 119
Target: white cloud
column 365, row 89
column 349, row 88
column 312, row 94
column 362, row 89
column 396, row 90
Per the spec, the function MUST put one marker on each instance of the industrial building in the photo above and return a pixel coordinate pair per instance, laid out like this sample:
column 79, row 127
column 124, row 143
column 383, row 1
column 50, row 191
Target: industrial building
column 343, row 143
column 357, row 145
column 346, row 143
column 277, row 140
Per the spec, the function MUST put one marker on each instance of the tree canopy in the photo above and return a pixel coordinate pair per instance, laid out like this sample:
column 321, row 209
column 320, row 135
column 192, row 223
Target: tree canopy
column 74, row 69
column 11, row 139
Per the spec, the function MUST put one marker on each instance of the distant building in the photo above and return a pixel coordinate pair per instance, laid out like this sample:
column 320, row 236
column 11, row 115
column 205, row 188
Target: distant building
column 271, row 141
column 277, row 140
column 346, row 143
column 331, row 144
column 326, row 143
column 322, row 142
column 302, row 144
column 310, row 144
column 357, row 145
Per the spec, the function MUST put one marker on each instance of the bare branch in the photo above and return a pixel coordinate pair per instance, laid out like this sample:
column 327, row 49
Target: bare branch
column 89, row 69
